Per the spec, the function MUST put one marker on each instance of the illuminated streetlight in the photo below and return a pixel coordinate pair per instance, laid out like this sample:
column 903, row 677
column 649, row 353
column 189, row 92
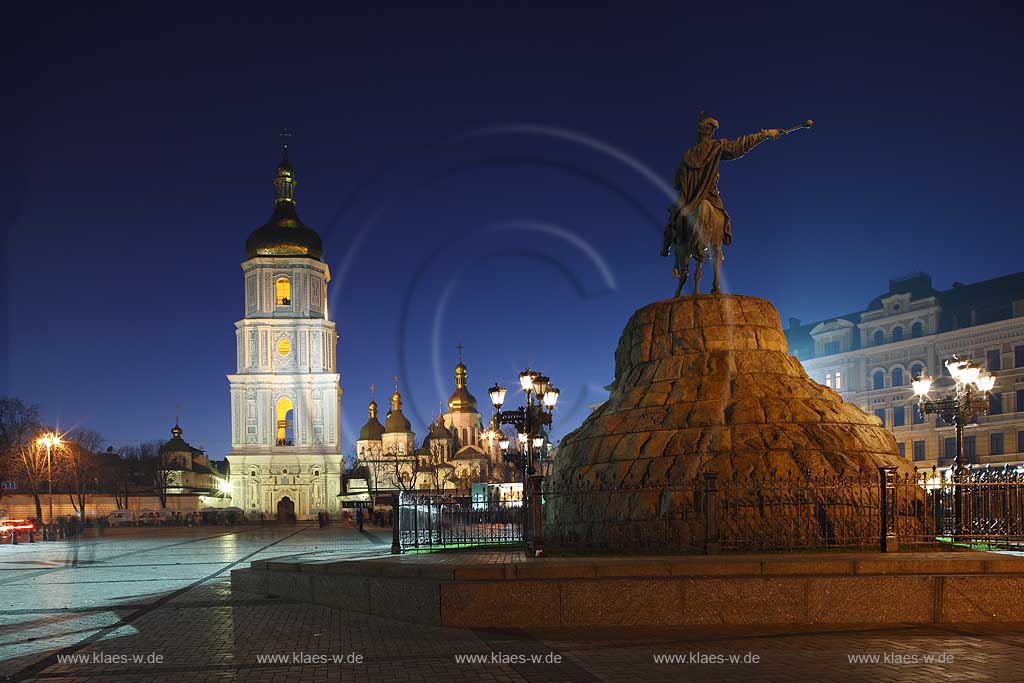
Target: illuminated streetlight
column 497, row 394
column 526, row 379
column 551, row 398
column 922, row 385
column 969, row 397
column 529, row 421
column 49, row 441
column 985, row 383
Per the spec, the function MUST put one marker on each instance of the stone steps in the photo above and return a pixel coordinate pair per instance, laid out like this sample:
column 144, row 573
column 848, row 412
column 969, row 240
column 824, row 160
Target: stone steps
column 475, row 591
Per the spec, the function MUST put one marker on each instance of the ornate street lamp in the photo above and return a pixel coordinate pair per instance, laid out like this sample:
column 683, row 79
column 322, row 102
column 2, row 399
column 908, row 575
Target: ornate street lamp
column 49, row 441
column 529, row 422
column 497, row 394
column 969, row 397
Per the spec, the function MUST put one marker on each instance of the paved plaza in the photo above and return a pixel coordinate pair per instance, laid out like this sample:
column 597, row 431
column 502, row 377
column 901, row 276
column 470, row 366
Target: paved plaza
column 155, row 605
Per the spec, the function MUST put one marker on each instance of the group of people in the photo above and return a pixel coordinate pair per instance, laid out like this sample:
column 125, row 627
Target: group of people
column 360, row 517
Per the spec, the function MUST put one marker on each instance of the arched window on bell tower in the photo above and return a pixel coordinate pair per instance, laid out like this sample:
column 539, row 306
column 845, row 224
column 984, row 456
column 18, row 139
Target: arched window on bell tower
column 283, row 291
column 285, row 422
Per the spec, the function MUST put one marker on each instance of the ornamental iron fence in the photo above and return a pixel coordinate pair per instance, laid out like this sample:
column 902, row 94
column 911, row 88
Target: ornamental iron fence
column 431, row 520
column 882, row 510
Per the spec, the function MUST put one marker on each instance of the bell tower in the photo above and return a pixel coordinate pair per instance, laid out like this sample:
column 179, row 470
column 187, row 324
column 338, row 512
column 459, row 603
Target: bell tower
column 285, row 391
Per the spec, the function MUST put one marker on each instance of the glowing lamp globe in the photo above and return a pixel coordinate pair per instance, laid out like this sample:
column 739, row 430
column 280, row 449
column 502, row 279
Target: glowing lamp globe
column 985, row 383
column 551, row 397
column 526, row 379
column 497, row 394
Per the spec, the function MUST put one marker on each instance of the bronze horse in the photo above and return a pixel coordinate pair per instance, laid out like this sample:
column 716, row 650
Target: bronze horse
column 698, row 237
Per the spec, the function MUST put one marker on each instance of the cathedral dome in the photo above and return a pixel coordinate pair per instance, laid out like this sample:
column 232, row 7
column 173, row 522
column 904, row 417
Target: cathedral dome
column 461, row 401
column 176, row 444
column 373, row 429
column 284, row 234
column 438, row 431
column 396, row 422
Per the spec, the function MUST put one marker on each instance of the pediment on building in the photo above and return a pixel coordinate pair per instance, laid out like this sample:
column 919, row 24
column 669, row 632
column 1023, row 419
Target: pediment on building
column 470, row 452
column 833, row 325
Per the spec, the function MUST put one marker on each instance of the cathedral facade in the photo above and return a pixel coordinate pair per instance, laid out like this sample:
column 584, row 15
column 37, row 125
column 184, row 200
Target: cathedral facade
column 285, row 457
column 455, row 453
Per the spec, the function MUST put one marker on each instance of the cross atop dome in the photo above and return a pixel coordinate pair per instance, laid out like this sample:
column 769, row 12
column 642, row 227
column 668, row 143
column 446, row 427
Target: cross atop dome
column 284, row 235
column 176, row 430
column 284, row 135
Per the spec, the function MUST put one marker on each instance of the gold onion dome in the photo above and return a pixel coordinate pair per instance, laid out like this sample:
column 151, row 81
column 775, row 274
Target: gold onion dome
column 373, row 429
column 175, row 444
column 284, row 234
column 461, row 401
column 396, row 422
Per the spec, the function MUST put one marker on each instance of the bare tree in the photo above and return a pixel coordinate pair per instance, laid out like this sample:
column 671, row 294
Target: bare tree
column 161, row 478
column 79, row 467
column 402, row 469
column 23, row 458
column 115, row 476
column 18, row 426
column 440, row 475
column 145, row 469
column 366, row 462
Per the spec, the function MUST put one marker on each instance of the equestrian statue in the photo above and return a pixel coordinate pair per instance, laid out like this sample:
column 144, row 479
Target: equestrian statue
column 698, row 224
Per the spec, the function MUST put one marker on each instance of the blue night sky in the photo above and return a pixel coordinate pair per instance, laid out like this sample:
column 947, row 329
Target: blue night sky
column 495, row 177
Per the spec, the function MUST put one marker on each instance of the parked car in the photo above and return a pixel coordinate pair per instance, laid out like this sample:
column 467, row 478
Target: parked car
column 121, row 518
column 9, row 526
column 147, row 517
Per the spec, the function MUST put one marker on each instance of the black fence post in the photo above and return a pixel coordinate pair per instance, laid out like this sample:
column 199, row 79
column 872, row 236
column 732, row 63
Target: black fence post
column 889, row 540
column 415, row 520
column 536, row 542
column 430, row 519
column 711, row 540
column 396, row 542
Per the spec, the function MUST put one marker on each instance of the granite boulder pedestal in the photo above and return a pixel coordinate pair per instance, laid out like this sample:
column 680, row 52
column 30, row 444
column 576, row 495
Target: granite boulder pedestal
column 705, row 386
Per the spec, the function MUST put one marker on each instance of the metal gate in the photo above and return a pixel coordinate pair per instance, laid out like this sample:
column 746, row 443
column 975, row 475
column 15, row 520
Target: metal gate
column 431, row 520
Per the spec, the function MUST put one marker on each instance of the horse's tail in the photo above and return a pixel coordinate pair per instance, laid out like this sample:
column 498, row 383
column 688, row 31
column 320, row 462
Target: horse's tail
column 709, row 228
column 668, row 237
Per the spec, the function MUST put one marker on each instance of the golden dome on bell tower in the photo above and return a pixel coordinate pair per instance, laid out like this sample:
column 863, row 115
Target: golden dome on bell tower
column 284, row 235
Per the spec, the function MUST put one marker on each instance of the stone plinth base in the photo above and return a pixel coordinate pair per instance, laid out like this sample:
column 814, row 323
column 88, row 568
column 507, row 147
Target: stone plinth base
column 706, row 385
column 476, row 592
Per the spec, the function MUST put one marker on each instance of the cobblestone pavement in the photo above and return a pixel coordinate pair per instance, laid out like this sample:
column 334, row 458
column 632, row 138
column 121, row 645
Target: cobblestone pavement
column 157, row 606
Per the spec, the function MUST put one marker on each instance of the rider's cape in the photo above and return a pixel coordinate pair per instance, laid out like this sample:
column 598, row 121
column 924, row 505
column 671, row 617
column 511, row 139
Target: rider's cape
column 697, row 178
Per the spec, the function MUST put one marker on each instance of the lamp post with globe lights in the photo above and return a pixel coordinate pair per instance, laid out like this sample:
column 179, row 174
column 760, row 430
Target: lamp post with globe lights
column 529, row 422
column 968, row 397
column 49, row 441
